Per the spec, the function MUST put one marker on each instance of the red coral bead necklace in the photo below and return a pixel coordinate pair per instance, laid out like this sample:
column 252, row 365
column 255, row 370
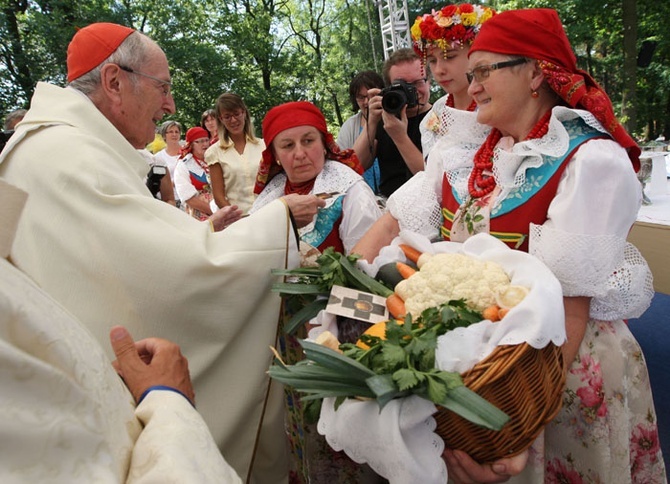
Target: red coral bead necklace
column 482, row 181
column 450, row 103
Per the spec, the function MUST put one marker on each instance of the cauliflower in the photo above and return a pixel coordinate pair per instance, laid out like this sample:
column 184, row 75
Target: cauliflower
column 453, row 276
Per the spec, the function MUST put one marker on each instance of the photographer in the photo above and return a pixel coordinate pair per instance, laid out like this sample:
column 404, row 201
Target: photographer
column 392, row 133
column 11, row 120
column 158, row 179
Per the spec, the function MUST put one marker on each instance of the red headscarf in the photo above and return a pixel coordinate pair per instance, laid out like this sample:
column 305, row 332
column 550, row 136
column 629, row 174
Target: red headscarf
column 290, row 115
column 537, row 33
column 92, row 45
column 192, row 135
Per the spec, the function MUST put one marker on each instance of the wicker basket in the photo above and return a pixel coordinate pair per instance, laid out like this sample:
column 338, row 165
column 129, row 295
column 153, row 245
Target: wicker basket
column 522, row 381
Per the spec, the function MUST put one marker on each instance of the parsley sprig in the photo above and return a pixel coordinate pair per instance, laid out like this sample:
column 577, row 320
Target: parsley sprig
column 400, row 365
column 307, row 289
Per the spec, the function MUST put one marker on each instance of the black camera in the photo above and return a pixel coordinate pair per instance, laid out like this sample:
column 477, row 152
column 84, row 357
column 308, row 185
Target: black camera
column 154, row 177
column 397, row 95
column 4, row 137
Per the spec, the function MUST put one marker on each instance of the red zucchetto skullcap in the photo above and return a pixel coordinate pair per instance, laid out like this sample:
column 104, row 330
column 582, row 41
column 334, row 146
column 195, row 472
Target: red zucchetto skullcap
column 537, row 33
column 92, row 45
column 290, row 115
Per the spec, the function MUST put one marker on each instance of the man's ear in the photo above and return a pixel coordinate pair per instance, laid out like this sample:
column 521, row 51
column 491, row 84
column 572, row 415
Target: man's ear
column 111, row 80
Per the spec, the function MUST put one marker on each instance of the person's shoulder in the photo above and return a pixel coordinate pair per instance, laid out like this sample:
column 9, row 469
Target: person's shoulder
column 213, row 150
column 351, row 120
column 341, row 170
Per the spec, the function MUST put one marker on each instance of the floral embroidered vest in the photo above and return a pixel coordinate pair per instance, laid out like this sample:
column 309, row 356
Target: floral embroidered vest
column 528, row 204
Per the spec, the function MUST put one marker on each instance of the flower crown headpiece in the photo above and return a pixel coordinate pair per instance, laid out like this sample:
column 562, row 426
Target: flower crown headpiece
column 451, row 26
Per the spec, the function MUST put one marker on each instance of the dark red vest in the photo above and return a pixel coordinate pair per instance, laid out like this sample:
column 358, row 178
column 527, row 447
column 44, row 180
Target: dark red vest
column 512, row 227
column 333, row 238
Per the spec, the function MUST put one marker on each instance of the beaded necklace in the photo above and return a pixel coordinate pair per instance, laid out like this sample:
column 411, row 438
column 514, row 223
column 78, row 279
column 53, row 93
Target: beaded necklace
column 200, row 163
column 450, row 103
column 479, row 183
column 299, row 188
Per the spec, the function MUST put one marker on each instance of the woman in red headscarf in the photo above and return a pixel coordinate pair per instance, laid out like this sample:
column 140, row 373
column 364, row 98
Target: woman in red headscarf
column 302, row 158
column 191, row 175
column 554, row 176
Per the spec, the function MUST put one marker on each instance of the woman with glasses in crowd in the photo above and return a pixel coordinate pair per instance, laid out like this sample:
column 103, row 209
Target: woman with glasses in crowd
column 353, row 126
column 191, row 176
column 555, row 176
column 233, row 161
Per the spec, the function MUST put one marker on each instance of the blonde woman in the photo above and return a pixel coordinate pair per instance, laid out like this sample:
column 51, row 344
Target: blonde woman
column 233, row 161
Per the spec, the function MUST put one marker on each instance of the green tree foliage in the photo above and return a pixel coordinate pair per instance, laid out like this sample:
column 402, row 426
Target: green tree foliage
column 272, row 51
column 34, row 39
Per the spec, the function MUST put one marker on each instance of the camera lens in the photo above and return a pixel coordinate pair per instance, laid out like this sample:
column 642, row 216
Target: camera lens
column 393, row 101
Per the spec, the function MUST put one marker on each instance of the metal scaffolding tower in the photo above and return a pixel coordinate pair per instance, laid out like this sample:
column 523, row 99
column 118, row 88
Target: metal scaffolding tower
column 393, row 18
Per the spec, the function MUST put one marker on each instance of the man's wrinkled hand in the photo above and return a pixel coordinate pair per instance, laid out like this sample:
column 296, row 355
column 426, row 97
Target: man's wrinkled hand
column 225, row 216
column 150, row 362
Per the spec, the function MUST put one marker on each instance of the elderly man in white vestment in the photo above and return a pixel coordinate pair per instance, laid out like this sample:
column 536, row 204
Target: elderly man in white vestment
column 94, row 238
column 66, row 416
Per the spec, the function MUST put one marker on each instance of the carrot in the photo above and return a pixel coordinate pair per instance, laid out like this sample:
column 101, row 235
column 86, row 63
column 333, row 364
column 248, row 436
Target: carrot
column 503, row 312
column 405, row 270
column 492, row 313
column 396, row 306
column 410, row 252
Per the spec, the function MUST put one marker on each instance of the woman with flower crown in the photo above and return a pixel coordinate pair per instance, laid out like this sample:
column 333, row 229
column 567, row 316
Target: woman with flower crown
column 555, row 176
column 442, row 39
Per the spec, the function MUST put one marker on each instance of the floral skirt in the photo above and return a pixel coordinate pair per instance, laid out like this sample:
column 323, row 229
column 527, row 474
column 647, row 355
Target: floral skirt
column 206, row 196
column 606, row 432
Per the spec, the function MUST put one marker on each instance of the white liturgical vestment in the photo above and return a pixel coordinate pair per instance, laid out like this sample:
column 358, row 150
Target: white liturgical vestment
column 65, row 415
column 94, row 238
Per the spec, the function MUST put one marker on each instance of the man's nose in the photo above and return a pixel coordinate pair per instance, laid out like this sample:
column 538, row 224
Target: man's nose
column 169, row 106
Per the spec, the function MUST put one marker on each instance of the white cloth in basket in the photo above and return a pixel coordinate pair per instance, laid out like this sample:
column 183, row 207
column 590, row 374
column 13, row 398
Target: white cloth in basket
column 398, row 434
column 398, row 442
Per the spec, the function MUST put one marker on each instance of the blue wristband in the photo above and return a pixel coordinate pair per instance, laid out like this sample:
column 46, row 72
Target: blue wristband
column 163, row 387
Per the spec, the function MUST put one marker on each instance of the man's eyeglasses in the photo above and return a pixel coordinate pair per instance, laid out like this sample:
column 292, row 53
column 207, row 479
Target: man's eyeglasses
column 419, row 82
column 165, row 85
column 481, row 73
column 236, row 114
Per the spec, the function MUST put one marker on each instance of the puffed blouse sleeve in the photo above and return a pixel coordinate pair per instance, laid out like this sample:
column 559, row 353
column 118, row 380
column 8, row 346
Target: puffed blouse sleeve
column 360, row 211
column 182, row 182
column 583, row 240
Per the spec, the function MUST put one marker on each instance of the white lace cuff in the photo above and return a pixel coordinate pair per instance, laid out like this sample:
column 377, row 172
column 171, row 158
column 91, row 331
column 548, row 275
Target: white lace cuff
column 416, row 208
column 604, row 267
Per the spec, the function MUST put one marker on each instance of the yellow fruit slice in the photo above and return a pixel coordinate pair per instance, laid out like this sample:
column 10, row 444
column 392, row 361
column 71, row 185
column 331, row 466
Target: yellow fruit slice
column 377, row 329
column 329, row 340
column 511, row 296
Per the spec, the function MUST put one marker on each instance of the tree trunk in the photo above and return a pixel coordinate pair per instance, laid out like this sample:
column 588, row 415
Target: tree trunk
column 628, row 106
column 20, row 69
